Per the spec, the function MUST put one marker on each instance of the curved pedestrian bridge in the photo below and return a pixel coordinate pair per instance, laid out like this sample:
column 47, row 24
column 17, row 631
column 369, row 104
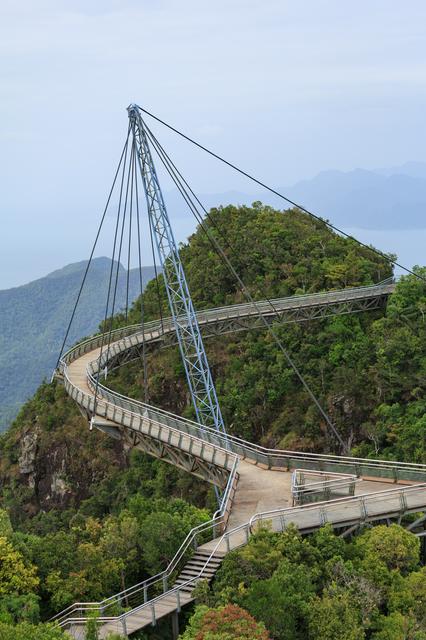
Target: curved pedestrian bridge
column 257, row 484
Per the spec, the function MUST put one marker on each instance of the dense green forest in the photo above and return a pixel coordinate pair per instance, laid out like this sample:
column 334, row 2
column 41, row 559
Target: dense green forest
column 321, row 587
column 368, row 370
column 76, row 505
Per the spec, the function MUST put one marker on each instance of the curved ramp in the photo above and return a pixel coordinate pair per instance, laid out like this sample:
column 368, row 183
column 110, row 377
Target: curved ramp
column 256, row 481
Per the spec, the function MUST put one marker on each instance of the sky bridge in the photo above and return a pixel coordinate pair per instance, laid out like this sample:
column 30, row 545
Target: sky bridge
column 256, row 482
column 255, row 486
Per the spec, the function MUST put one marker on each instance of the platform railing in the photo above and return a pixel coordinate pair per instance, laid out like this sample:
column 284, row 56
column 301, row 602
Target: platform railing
column 243, row 309
column 345, row 511
column 339, row 513
column 392, row 471
column 316, row 486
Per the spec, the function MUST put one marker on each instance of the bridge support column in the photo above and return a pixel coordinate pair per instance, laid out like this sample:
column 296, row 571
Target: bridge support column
column 124, row 625
column 175, row 625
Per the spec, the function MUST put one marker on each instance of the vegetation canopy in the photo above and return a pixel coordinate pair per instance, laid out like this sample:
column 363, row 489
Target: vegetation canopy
column 81, row 518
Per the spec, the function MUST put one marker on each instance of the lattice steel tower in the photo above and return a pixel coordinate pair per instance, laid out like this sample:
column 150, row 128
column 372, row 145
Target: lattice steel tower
column 188, row 332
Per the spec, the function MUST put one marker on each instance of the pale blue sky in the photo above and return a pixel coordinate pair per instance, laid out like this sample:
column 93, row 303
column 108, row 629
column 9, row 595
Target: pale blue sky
column 285, row 89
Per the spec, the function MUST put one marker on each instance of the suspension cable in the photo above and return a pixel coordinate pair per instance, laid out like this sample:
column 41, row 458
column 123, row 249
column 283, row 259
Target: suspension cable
column 157, row 282
column 283, row 197
column 130, row 237
column 111, row 272
column 144, row 361
column 120, row 247
column 93, row 250
column 168, row 164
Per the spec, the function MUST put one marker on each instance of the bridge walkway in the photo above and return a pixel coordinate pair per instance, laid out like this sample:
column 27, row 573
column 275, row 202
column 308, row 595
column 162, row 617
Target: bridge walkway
column 257, row 481
column 259, row 491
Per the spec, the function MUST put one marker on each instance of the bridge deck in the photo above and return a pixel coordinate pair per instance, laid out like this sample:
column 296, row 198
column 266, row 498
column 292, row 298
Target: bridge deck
column 258, row 489
column 262, row 487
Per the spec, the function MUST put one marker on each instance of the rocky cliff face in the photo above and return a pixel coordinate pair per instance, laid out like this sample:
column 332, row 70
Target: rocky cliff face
column 50, row 459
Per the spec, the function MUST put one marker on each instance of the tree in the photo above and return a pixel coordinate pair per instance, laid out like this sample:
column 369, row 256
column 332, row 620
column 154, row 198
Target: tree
column 16, row 577
column 334, row 618
column 393, row 546
column 5, row 524
column 120, row 541
column 408, row 597
column 398, row 627
column 20, row 608
column 282, row 601
column 253, row 562
column 26, row 631
column 92, row 628
column 161, row 534
column 229, row 622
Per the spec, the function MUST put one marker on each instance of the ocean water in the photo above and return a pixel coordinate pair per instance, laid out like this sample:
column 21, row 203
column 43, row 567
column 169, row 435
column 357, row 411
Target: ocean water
column 408, row 244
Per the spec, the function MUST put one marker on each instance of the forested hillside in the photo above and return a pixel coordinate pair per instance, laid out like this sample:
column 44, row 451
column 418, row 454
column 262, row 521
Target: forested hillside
column 368, row 370
column 321, row 587
column 83, row 517
column 33, row 320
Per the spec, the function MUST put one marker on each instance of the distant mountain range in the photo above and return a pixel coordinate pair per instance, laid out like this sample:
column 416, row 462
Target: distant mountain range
column 384, row 198
column 34, row 317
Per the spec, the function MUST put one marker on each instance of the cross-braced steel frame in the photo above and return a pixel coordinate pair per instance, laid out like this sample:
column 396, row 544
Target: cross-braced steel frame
column 193, row 464
column 188, row 333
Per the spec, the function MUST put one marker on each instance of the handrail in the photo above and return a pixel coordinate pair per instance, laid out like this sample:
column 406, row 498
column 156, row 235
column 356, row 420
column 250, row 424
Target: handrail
column 258, row 452
column 167, row 322
column 219, row 518
column 378, row 495
column 174, row 590
column 248, row 529
column 255, row 447
column 302, row 488
column 385, row 284
column 124, row 338
column 342, row 478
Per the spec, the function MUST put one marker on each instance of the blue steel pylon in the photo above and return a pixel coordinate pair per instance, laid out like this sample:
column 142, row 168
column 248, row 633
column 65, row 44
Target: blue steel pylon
column 188, row 332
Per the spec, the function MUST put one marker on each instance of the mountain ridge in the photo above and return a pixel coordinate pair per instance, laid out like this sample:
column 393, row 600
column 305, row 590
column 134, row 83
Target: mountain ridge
column 392, row 198
column 33, row 318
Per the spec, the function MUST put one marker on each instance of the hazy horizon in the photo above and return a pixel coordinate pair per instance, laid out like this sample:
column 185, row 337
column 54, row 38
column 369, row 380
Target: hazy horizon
column 283, row 90
column 407, row 243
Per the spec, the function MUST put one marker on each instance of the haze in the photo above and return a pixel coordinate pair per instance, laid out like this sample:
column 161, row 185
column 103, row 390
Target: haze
column 283, row 89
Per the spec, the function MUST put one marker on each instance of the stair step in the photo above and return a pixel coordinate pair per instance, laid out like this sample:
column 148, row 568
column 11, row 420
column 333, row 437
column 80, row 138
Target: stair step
column 186, row 578
column 213, row 561
column 196, row 572
column 187, row 589
column 189, row 571
column 193, row 579
column 199, row 567
column 207, row 554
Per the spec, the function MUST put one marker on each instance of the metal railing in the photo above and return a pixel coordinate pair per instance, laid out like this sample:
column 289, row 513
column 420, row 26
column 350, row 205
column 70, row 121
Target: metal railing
column 129, row 336
column 345, row 511
column 244, row 309
column 301, row 300
column 393, row 471
column 315, row 486
column 119, row 623
column 151, row 588
column 340, row 512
